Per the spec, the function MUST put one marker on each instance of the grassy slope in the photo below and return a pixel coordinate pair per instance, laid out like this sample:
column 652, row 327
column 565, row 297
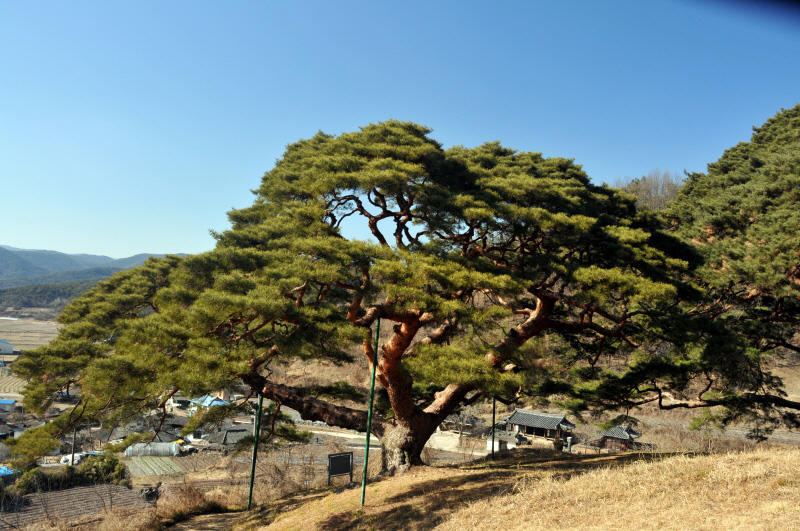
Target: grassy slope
column 543, row 490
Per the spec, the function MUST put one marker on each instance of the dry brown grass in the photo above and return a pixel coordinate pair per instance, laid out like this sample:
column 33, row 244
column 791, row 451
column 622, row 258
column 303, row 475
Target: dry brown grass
column 182, row 503
column 50, row 525
column 537, row 489
column 122, row 519
column 737, row 491
column 791, row 379
column 417, row 500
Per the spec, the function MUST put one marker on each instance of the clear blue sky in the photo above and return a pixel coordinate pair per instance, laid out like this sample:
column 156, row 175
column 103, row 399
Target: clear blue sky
column 130, row 127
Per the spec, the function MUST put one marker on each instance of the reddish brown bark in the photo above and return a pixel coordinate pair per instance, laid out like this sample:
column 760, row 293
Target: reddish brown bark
column 311, row 408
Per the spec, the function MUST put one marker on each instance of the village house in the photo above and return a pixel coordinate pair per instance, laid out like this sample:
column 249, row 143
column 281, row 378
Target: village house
column 204, row 402
column 6, row 431
column 619, row 438
column 229, row 437
column 177, row 401
column 6, row 348
column 462, row 423
column 7, row 475
column 505, row 440
column 7, row 405
column 546, row 425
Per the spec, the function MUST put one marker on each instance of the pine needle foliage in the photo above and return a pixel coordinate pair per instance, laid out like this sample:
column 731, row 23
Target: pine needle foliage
column 742, row 217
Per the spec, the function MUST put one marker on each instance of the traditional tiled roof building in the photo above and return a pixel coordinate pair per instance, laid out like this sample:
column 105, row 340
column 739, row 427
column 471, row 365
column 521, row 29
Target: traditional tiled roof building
column 547, row 425
column 619, row 438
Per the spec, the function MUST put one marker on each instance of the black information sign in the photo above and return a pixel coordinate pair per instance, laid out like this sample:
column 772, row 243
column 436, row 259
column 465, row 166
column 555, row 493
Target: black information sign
column 340, row 465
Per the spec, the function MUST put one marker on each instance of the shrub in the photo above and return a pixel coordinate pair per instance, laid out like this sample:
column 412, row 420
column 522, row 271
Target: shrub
column 185, row 502
column 32, row 481
column 96, row 469
column 104, row 468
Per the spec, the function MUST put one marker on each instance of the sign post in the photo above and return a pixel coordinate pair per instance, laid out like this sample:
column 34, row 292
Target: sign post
column 340, row 465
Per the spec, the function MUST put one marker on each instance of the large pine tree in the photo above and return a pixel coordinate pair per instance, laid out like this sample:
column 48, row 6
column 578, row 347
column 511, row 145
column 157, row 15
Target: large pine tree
column 496, row 271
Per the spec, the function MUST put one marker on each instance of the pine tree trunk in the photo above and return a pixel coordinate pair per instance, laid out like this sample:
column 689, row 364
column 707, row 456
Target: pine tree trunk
column 405, row 438
column 403, row 444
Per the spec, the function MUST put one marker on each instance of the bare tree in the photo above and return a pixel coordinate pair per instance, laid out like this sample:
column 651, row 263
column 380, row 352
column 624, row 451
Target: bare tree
column 653, row 190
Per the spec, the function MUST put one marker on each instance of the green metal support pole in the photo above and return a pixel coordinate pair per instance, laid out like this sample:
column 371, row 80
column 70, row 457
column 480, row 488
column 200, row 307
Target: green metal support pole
column 369, row 409
column 494, row 422
column 256, row 433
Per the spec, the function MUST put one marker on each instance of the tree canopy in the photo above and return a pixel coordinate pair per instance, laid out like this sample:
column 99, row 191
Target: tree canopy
column 499, row 273
column 742, row 216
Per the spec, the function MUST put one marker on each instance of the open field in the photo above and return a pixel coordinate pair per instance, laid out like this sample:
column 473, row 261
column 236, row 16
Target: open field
column 27, row 334
column 11, row 387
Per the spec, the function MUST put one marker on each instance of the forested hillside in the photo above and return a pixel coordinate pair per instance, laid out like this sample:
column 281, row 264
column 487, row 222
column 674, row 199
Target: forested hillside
column 50, row 279
column 12, row 265
column 89, row 274
column 53, row 296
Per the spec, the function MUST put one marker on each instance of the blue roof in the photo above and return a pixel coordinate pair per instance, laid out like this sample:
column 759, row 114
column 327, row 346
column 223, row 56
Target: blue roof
column 4, row 341
column 5, row 471
column 7, row 401
column 208, row 401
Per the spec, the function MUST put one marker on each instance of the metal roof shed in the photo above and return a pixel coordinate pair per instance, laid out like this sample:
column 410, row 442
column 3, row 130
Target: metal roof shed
column 7, row 405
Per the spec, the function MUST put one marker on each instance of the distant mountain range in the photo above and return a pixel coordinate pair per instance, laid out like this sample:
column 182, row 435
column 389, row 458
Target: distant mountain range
column 38, row 284
column 25, row 267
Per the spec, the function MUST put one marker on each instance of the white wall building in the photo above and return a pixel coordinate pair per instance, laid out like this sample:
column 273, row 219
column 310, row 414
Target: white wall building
column 6, row 348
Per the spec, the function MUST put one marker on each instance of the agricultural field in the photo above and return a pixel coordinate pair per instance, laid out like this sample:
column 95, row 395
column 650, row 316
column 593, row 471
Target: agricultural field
column 27, row 334
column 69, row 505
column 11, row 386
column 155, row 466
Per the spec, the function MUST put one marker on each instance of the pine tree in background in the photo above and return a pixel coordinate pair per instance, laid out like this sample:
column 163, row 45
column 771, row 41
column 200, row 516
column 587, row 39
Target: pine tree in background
column 743, row 216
